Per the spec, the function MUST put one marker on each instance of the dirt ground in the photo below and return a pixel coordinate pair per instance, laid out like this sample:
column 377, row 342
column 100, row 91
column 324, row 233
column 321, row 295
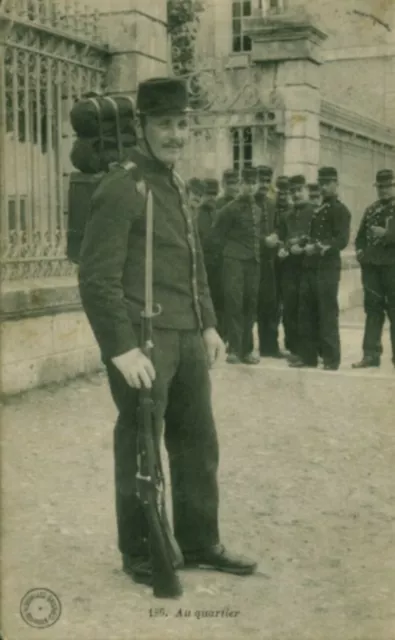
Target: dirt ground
column 307, row 487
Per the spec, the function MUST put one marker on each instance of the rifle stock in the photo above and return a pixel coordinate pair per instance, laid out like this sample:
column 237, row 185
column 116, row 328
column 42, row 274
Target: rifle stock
column 165, row 553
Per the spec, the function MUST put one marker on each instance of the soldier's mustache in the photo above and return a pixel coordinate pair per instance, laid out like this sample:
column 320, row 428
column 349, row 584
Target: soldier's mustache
column 173, row 145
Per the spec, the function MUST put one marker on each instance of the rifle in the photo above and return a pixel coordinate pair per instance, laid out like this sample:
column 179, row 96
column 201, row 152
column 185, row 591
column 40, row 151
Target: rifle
column 164, row 550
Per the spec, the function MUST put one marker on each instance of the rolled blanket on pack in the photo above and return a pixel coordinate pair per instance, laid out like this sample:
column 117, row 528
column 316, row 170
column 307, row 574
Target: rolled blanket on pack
column 95, row 115
column 92, row 155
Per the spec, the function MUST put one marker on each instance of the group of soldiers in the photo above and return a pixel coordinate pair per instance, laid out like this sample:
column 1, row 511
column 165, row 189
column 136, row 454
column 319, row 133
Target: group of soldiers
column 271, row 259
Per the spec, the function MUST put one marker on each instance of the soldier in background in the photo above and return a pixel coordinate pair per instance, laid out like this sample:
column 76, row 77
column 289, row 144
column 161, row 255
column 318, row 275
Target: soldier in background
column 194, row 188
column 319, row 306
column 238, row 230
column 375, row 245
column 295, row 228
column 206, row 217
column 267, row 312
column 230, row 187
column 283, row 209
column 315, row 196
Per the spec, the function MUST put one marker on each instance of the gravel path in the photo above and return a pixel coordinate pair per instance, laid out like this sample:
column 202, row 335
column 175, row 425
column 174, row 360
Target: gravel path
column 307, row 487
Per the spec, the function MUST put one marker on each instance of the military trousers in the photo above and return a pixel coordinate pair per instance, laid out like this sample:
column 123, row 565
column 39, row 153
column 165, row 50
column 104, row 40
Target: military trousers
column 182, row 393
column 319, row 315
column 241, row 283
column 268, row 315
column 379, row 299
column 292, row 270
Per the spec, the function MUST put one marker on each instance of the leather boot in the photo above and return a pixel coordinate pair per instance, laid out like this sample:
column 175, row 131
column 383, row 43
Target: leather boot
column 219, row 559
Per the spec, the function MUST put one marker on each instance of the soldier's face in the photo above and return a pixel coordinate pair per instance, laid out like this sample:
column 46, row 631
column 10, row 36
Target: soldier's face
column 166, row 136
column 329, row 188
column 264, row 186
column 283, row 197
column 385, row 192
column 231, row 189
column 248, row 188
column 194, row 199
column 298, row 195
column 315, row 200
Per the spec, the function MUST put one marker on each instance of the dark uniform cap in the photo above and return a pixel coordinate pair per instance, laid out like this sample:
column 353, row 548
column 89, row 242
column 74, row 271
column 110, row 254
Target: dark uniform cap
column 314, row 188
column 230, row 176
column 210, row 186
column 282, row 183
column 249, row 174
column 327, row 174
column 162, row 95
column 195, row 186
column 297, row 181
column 264, row 172
column 385, row 177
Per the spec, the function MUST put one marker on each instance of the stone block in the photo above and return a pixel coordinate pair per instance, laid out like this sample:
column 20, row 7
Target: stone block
column 19, row 376
column 59, row 367
column 301, row 98
column 92, row 360
column 26, row 339
column 299, row 72
column 302, row 124
column 301, row 150
column 67, row 332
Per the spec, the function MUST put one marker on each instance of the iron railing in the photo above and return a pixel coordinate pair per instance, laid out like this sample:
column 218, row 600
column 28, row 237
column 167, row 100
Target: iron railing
column 50, row 54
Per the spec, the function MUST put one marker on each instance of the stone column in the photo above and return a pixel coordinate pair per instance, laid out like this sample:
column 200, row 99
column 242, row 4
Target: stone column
column 291, row 45
column 136, row 31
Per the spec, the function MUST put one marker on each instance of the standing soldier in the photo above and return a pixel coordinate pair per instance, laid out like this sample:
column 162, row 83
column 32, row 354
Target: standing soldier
column 294, row 235
column 283, row 209
column 315, row 197
column 319, row 306
column 111, row 282
column 194, row 189
column 268, row 305
column 206, row 217
column 238, row 229
column 230, row 187
column 375, row 245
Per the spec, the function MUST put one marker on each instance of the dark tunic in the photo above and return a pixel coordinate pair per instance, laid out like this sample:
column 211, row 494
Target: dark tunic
column 378, row 275
column 111, row 275
column 318, row 305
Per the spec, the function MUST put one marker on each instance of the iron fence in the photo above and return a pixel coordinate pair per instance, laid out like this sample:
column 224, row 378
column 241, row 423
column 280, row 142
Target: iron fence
column 50, row 54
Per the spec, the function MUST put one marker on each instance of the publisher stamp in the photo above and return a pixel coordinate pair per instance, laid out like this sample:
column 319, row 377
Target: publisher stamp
column 40, row 608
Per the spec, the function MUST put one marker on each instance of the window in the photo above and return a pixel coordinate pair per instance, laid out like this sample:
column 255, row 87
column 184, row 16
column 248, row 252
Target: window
column 242, row 148
column 271, row 6
column 240, row 10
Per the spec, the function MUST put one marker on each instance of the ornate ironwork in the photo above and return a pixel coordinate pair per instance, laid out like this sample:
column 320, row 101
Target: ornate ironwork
column 48, row 58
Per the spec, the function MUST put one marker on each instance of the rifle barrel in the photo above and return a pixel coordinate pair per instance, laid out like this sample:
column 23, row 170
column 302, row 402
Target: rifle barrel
column 149, row 257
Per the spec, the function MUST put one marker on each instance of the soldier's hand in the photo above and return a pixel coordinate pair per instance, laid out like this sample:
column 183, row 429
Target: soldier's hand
column 214, row 345
column 283, row 253
column 136, row 368
column 378, row 232
column 310, row 249
column 323, row 248
column 296, row 250
column 272, row 240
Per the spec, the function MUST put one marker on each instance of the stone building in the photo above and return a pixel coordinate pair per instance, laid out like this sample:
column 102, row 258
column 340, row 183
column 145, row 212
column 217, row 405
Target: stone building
column 319, row 80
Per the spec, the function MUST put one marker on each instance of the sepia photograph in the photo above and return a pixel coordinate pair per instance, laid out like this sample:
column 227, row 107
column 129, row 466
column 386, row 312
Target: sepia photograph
column 197, row 338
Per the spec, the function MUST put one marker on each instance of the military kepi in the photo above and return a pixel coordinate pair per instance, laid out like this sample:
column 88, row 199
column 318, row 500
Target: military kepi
column 211, row 186
column 282, row 183
column 296, row 182
column 385, row 178
column 314, row 188
column 264, row 172
column 230, row 176
column 327, row 174
column 249, row 174
column 162, row 95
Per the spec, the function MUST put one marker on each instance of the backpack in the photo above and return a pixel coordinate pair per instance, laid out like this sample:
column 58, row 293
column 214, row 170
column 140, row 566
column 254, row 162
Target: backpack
column 104, row 128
